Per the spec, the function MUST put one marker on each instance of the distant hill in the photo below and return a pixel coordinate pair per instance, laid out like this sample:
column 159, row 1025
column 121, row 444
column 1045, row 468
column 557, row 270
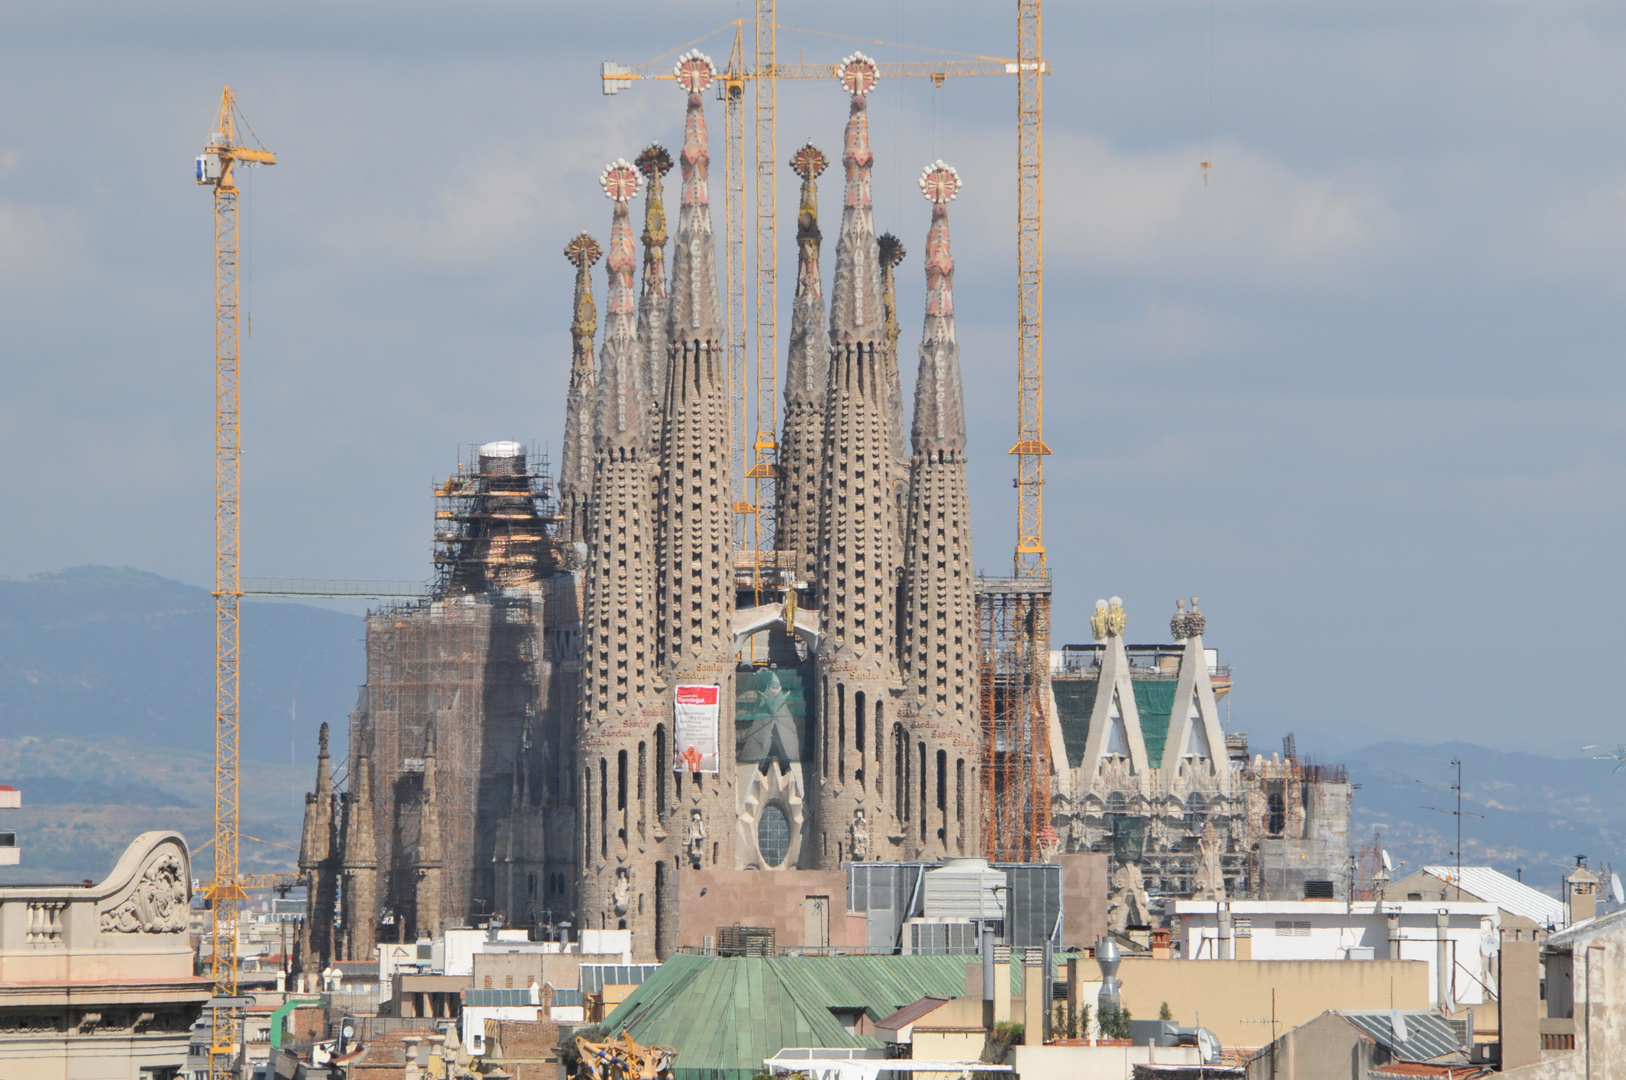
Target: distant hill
column 85, row 800
column 101, row 653
column 1538, row 813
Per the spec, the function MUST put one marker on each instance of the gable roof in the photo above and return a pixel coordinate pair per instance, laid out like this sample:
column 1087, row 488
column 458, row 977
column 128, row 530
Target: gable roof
column 909, row 1014
column 1510, row 895
column 1586, row 930
column 1428, row 1034
column 724, row 1015
column 1075, row 701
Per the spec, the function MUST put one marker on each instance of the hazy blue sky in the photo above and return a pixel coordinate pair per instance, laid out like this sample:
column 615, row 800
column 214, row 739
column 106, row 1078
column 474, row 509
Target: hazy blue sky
column 1361, row 391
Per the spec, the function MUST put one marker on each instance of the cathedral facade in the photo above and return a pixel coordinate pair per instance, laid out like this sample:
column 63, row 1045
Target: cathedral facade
column 682, row 705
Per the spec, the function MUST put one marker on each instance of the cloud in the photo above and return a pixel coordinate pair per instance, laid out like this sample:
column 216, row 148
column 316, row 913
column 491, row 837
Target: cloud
column 503, row 203
column 38, row 242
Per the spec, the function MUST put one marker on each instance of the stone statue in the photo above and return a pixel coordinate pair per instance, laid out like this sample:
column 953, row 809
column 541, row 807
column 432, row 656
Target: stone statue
column 1128, row 905
column 858, row 833
column 621, row 897
column 1210, row 883
column 695, row 842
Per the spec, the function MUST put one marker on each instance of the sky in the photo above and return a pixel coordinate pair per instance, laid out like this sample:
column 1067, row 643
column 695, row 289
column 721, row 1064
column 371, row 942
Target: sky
column 1360, row 390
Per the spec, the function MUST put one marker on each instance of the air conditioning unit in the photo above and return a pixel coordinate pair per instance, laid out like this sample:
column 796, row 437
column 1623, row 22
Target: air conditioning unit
column 931, row 938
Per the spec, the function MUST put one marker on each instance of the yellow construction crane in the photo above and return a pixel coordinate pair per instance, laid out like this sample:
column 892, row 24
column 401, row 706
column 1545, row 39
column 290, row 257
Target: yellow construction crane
column 216, row 168
column 753, row 482
column 1030, row 449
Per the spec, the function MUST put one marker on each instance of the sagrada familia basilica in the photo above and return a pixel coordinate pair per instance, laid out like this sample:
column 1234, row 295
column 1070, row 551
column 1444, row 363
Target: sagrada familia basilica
column 594, row 700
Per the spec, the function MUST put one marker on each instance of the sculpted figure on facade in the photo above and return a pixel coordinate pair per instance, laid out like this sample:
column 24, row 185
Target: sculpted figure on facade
column 621, row 895
column 858, row 836
column 695, row 842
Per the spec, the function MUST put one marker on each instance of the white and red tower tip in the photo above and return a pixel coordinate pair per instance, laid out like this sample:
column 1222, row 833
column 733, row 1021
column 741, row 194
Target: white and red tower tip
column 619, row 180
column 694, row 71
column 858, row 74
column 940, row 182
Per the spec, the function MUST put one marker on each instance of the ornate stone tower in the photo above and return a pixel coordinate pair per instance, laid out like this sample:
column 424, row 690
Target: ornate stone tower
column 654, row 162
column 807, row 369
column 620, row 700
column 360, row 865
column 429, row 862
column 939, row 605
column 317, row 846
column 859, row 733
column 576, row 454
column 696, row 545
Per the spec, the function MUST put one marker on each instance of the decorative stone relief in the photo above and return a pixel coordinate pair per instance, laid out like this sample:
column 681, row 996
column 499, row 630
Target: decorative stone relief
column 858, row 833
column 157, row 905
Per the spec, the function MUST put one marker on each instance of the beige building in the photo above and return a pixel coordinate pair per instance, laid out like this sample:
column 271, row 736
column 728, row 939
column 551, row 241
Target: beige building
column 1242, row 1001
column 96, row 981
column 1580, row 1024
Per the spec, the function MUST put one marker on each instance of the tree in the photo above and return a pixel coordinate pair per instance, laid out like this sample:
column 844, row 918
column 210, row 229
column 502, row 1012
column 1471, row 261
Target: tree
column 1115, row 1022
column 1164, row 1012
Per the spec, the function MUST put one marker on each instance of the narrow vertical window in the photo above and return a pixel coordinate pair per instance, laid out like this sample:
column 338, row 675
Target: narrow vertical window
column 663, row 765
column 959, row 792
column 924, row 783
column 841, row 733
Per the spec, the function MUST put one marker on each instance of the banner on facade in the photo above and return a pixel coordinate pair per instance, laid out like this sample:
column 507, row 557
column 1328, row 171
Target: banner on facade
column 694, row 729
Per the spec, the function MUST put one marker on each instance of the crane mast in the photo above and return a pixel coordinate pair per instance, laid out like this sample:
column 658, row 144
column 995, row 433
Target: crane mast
column 216, row 168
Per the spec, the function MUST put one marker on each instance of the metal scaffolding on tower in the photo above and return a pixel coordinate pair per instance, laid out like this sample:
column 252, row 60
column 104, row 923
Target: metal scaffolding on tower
column 1013, row 615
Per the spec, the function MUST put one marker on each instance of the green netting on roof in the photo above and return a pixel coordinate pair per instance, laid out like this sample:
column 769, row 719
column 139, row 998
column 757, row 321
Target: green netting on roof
column 1075, row 700
column 1155, row 701
column 724, row 1015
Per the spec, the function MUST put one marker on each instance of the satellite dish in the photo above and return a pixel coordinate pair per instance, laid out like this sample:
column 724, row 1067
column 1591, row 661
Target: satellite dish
column 1614, row 887
column 1388, row 867
column 1398, row 1022
column 1489, row 943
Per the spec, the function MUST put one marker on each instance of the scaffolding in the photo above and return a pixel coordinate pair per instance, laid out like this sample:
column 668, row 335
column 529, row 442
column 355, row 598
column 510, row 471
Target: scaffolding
column 494, row 521
column 1013, row 661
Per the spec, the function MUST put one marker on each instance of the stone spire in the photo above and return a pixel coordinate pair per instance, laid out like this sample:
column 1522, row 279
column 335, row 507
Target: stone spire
column 654, row 162
column 694, row 311
column 430, row 858
column 856, row 314
column 316, row 849
column 316, row 840
column 360, row 865
column 807, row 371
column 939, row 605
column 576, row 455
column 622, row 401
column 858, row 536
column 939, row 424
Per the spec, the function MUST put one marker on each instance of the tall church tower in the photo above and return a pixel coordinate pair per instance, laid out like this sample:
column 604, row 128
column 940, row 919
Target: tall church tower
column 807, row 369
column 619, row 694
column 576, row 454
column 429, row 861
column 360, row 865
column 696, row 536
column 317, row 846
column 939, row 605
column 858, row 679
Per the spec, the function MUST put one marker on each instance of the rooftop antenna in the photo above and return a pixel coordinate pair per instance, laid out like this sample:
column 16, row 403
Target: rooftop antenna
column 1459, row 813
column 1618, row 757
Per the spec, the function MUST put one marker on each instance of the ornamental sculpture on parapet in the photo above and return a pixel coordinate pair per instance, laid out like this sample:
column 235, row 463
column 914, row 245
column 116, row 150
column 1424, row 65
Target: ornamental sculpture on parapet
column 1109, row 619
column 159, row 903
column 622, row 1058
